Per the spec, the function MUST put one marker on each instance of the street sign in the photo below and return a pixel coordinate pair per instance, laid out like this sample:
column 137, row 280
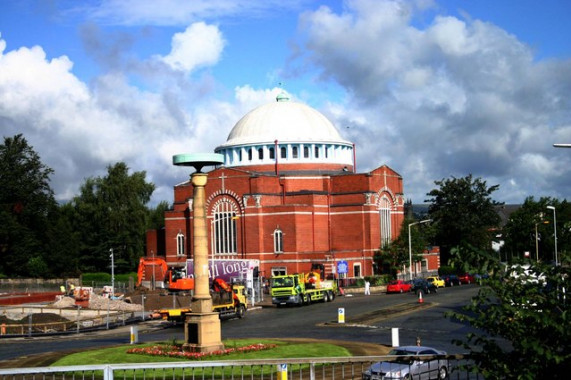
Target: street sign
column 342, row 267
column 341, row 315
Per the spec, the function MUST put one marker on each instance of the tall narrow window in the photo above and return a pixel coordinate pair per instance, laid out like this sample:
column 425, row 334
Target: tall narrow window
column 385, row 221
column 316, row 155
column 283, row 152
column 224, row 231
column 305, row 152
column 272, row 154
column 326, row 152
column 357, row 270
column 260, row 153
column 180, row 244
column 278, row 241
column 294, row 153
column 250, row 154
column 240, row 155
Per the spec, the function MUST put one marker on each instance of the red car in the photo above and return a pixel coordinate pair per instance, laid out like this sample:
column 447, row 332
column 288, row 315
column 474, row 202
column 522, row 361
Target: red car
column 466, row 278
column 398, row 286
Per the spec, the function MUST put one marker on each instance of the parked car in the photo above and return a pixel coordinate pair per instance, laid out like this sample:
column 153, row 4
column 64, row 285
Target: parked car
column 421, row 285
column 409, row 364
column 451, row 280
column 436, row 281
column 398, row 286
column 466, row 278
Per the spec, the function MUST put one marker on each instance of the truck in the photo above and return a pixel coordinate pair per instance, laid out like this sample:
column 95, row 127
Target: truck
column 302, row 288
column 155, row 271
column 228, row 301
column 244, row 271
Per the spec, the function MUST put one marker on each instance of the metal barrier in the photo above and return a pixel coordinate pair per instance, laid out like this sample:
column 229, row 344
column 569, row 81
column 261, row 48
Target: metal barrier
column 458, row 367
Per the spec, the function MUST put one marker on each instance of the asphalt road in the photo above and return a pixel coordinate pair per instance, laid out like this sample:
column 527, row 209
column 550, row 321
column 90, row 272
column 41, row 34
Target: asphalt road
column 365, row 321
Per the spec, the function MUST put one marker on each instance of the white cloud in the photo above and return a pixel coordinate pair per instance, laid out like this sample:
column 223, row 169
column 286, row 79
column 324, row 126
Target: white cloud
column 456, row 97
column 198, row 45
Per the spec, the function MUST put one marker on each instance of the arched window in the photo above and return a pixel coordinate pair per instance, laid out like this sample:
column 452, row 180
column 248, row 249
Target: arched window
column 385, row 221
column 305, row 152
column 316, row 152
column 240, row 155
column 224, row 231
column 283, row 152
column 294, row 153
column 278, row 240
column 272, row 154
column 260, row 153
column 250, row 154
column 180, row 244
column 326, row 152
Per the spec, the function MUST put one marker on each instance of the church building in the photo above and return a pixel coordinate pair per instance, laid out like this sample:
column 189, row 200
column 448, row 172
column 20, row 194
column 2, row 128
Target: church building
column 288, row 195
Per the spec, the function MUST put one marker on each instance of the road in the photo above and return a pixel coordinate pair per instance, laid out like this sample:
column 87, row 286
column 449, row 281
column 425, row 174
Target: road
column 316, row 321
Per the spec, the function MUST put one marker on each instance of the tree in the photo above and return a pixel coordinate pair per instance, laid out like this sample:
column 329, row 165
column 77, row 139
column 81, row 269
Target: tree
column 393, row 256
column 464, row 214
column 531, row 229
column 112, row 214
column 26, row 199
column 64, row 242
column 157, row 215
column 523, row 314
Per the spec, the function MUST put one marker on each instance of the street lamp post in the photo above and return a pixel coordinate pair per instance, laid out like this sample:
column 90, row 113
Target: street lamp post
column 410, row 244
column 112, row 273
column 554, row 230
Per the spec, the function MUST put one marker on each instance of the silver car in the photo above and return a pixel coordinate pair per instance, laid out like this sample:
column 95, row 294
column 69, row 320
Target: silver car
column 410, row 366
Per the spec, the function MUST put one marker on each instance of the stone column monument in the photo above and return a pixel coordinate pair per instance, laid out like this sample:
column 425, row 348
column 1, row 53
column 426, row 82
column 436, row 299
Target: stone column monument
column 202, row 332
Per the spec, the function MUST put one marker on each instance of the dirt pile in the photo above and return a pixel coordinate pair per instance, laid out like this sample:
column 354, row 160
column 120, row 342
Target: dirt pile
column 158, row 299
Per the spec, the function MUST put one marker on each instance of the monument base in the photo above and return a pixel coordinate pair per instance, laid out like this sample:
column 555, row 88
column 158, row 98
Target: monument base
column 202, row 333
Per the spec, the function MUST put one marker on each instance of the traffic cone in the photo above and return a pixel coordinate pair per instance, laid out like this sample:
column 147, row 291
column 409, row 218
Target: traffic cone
column 420, row 300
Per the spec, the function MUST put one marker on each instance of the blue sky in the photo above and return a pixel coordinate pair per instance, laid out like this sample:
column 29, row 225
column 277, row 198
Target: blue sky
column 431, row 88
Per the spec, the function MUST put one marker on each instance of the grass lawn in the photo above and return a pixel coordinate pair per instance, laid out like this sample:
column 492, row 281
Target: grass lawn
column 282, row 350
column 118, row 355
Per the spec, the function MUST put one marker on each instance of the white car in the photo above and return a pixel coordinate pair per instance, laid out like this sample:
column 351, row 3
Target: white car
column 412, row 365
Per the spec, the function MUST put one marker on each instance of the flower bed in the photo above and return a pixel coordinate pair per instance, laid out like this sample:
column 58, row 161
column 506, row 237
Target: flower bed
column 173, row 351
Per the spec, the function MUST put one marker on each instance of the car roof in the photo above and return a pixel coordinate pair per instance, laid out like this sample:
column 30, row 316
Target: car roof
column 416, row 348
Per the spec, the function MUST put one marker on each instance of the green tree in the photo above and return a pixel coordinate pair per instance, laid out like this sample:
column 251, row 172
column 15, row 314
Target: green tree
column 112, row 214
column 520, row 235
column 157, row 215
column 464, row 214
column 26, row 199
column 64, row 242
column 392, row 257
column 522, row 313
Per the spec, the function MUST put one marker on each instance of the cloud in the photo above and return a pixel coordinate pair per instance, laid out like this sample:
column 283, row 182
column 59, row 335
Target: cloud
column 453, row 98
column 198, row 45
column 78, row 130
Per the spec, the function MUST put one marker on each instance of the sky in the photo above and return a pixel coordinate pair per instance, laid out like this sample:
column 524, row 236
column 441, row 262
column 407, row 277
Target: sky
column 434, row 89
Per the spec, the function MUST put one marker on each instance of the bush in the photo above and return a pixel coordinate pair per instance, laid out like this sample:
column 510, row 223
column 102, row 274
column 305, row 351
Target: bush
column 96, row 277
column 379, row 280
column 444, row 270
column 102, row 277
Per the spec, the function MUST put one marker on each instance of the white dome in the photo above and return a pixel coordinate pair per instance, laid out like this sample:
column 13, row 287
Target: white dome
column 284, row 121
column 304, row 137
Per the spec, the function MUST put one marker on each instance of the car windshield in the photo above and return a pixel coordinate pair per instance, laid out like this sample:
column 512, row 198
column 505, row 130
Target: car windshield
column 281, row 282
column 401, row 352
column 394, row 282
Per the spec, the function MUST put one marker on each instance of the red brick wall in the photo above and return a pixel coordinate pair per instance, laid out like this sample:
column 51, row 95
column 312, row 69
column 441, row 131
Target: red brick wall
column 322, row 217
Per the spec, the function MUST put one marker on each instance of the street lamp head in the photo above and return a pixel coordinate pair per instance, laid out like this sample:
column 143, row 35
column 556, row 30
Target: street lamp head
column 551, row 207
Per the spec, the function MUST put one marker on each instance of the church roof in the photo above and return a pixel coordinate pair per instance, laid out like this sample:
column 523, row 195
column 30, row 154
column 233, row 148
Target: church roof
column 285, row 121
